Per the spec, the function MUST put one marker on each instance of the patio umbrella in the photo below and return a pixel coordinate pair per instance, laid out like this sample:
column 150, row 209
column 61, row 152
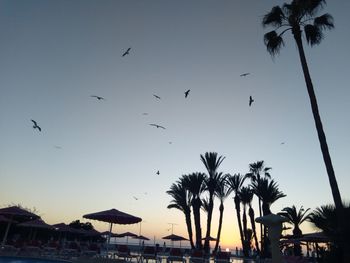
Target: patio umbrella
column 141, row 237
column 127, row 235
column 209, row 238
column 113, row 216
column 173, row 238
column 35, row 224
column 17, row 213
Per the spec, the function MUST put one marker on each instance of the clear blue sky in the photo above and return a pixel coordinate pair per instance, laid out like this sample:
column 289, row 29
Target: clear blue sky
column 55, row 54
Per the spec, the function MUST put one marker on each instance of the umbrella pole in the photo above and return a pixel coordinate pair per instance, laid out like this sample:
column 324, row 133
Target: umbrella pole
column 6, row 232
column 109, row 237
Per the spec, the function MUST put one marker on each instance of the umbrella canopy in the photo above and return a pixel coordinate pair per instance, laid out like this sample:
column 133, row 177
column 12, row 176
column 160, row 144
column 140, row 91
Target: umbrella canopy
column 113, row 216
column 62, row 227
column 15, row 212
column 141, row 237
column 127, row 234
column 318, row 237
column 209, row 238
column 5, row 219
column 91, row 233
column 174, row 237
column 36, row 223
column 107, row 233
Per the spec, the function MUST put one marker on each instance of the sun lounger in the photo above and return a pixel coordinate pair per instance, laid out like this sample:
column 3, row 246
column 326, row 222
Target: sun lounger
column 197, row 256
column 175, row 255
column 148, row 253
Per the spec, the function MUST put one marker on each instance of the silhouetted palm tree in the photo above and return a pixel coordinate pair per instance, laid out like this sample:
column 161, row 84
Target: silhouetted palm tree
column 295, row 16
column 235, row 182
column 268, row 192
column 252, row 222
column 222, row 192
column 325, row 218
column 295, row 218
column 258, row 170
column 194, row 183
column 246, row 196
column 212, row 163
column 182, row 201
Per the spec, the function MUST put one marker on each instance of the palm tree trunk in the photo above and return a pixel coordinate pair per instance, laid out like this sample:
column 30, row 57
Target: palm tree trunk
column 323, row 141
column 219, row 228
column 261, row 227
column 210, row 213
column 238, row 212
column 197, row 223
column 252, row 222
column 245, row 234
column 189, row 228
column 321, row 135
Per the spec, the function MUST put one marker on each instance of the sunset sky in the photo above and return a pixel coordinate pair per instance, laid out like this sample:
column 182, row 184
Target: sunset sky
column 95, row 155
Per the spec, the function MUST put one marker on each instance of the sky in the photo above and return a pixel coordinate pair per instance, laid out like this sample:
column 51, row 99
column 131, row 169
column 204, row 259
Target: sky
column 96, row 155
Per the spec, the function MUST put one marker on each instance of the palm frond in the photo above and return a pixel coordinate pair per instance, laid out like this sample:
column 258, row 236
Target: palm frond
column 324, row 22
column 274, row 18
column 313, row 34
column 273, row 42
column 310, row 7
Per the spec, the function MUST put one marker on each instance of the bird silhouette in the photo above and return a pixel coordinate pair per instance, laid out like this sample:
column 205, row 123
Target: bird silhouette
column 126, row 52
column 157, row 126
column 244, row 74
column 282, row 142
column 187, row 92
column 145, row 113
column 158, row 172
column 250, row 101
column 97, row 97
column 156, row 96
column 36, row 126
column 135, row 198
column 58, row 147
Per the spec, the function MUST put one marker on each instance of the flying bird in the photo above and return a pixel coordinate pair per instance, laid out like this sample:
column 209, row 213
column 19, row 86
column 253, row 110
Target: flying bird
column 156, row 96
column 97, row 97
column 187, row 92
column 126, row 52
column 58, row 147
column 157, row 126
column 135, row 198
column 244, row 74
column 145, row 113
column 282, row 142
column 36, row 126
column 158, row 172
column 250, row 101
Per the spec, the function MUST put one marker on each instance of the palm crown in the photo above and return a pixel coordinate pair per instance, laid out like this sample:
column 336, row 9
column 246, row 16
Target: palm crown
column 294, row 16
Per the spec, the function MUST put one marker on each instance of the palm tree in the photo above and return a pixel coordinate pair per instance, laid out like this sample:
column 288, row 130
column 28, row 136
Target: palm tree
column 212, row 163
column 222, row 192
column 182, row 201
column 268, row 192
column 256, row 171
column 325, row 218
column 235, row 183
column 295, row 16
column 246, row 195
column 295, row 218
column 252, row 222
column 194, row 183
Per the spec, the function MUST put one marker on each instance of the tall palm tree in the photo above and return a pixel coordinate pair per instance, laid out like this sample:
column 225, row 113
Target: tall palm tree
column 194, row 183
column 212, row 161
column 222, row 192
column 246, row 195
column 235, row 183
column 252, row 222
column 182, row 201
column 295, row 16
column 258, row 170
column 295, row 217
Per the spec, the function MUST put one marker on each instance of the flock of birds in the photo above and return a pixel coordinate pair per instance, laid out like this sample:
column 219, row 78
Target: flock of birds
column 99, row 98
